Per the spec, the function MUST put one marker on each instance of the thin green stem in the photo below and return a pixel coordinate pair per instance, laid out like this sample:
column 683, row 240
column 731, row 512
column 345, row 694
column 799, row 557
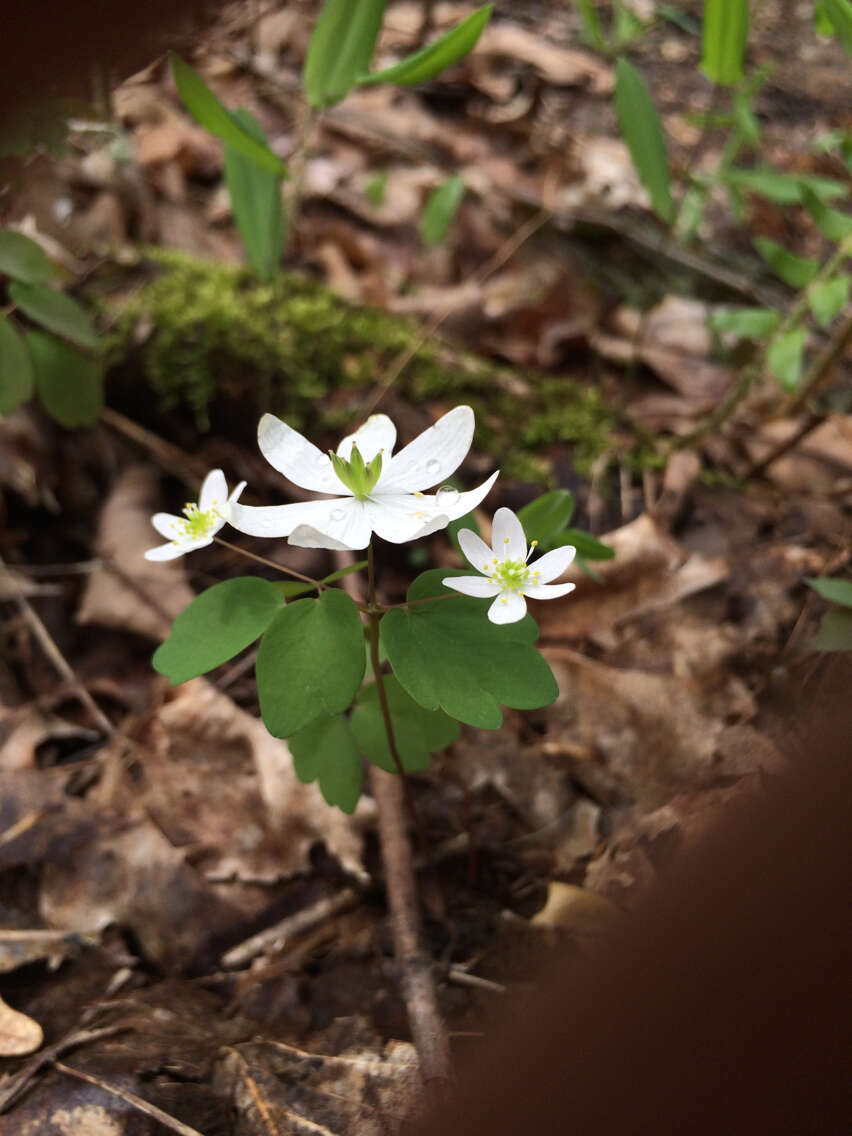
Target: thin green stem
column 318, row 584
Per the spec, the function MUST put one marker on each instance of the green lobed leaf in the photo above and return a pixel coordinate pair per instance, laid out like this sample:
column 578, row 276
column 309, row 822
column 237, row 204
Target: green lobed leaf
column 440, row 210
column 835, row 632
column 744, row 323
column 827, row 298
column 547, row 516
column 216, row 626
column 436, row 57
column 418, row 732
column 832, row 589
column 210, row 113
column 23, row 259
column 643, row 132
column 69, row 383
column 449, row 656
column 311, row 662
column 54, row 311
column 341, row 48
column 588, row 547
column 256, row 201
column 16, row 370
column 797, row 271
column 326, row 751
column 839, row 15
column 783, row 188
column 784, row 357
column 293, row 588
column 830, row 222
column 724, row 39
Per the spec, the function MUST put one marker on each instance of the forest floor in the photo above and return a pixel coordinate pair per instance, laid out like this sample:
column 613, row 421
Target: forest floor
column 191, row 928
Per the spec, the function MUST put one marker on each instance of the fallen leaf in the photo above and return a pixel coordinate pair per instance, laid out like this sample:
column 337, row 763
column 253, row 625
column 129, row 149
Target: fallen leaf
column 575, row 909
column 561, row 66
column 19, row 1034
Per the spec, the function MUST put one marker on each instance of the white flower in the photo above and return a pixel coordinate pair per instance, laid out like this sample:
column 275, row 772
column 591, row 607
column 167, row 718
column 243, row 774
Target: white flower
column 506, row 573
column 376, row 492
column 199, row 523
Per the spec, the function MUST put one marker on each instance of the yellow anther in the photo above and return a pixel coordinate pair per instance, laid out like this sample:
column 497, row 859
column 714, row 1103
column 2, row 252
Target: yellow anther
column 533, row 543
column 505, row 540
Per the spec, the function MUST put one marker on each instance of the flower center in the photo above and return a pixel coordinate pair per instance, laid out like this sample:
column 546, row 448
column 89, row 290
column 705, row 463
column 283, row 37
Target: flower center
column 355, row 473
column 198, row 524
column 511, row 575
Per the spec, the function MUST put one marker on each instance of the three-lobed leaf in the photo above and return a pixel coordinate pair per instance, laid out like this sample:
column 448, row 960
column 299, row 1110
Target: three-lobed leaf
column 69, row 383
column 16, row 370
column 436, row 57
column 449, row 656
column 216, row 626
column 55, row 312
column 311, row 662
column 418, row 732
column 440, row 210
column 341, row 48
column 255, row 195
column 210, row 113
column 643, row 132
column 326, row 751
column 23, row 259
column 724, row 39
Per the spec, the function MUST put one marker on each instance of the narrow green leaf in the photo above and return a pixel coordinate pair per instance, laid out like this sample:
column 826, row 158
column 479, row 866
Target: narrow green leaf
column 835, row 632
column 547, row 516
column 822, row 24
column 591, row 25
column 440, row 210
column 783, row 188
column 418, row 733
column 784, row 357
column 311, row 662
column 449, row 656
column 724, row 38
column 797, row 271
column 341, row 48
column 830, row 222
column 16, row 370
column 643, row 132
column 326, row 751
column 256, row 201
column 216, row 626
column 588, row 547
column 69, row 383
column 293, row 588
column 827, row 298
column 839, row 13
column 54, row 311
column 435, row 57
column 746, row 120
column 23, row 259
column 208, row 112
column 832, row 589
column 744, row 323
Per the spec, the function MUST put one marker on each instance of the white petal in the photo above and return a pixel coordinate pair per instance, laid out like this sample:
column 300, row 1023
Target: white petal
column 478, row 586
column 346, row 524
column 475, row 549
column 225, row 510
column 548, row 591
column 298, row 459
column 213, row 491
column 377, row 433
column 508, row 538
column 168, row 525
column 509, row 607
column 166, row 552
column 455, row 506
column 235, row 496
column 553, row 564
column 400, row 517
column 280, row 520
column 432, row 456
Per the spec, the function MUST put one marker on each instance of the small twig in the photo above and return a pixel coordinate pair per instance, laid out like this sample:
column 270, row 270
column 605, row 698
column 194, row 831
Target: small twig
column 318, row 584
column 758, row 468
column 301, row 921
column 462, row 977
column 132, row 1099
column 820, row 369
column 16, row 1085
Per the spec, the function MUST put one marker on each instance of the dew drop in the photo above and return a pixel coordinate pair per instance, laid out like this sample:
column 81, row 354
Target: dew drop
column 433, row 466
column 323, row 459
column 337, row 514
column 446, row 496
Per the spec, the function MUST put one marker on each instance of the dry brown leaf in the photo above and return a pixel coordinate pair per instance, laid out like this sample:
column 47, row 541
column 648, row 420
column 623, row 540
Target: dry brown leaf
column 575, row 909
column 19, row 1034
column 124, row 533
column 561, row 66
column 607, row 176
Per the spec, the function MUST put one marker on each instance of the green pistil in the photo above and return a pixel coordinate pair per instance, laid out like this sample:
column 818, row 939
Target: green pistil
column 511, row 575
column 356, row 474
column 198, row 524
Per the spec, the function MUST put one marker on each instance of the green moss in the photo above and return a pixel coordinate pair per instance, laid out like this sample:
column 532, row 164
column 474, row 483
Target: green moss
column 203, row 331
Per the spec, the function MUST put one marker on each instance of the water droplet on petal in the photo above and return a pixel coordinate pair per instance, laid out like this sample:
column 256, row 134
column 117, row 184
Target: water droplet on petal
column 433, row 466
column 446, row 497
column 323, row 459
column 337, row 514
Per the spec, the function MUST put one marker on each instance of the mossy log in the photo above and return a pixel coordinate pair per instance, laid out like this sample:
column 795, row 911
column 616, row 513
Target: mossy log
column 214, row 339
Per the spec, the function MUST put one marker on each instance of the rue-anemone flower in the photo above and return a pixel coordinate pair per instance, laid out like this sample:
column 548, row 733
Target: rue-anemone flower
column 506, row 575
column 199, row 523
column 376, row 491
